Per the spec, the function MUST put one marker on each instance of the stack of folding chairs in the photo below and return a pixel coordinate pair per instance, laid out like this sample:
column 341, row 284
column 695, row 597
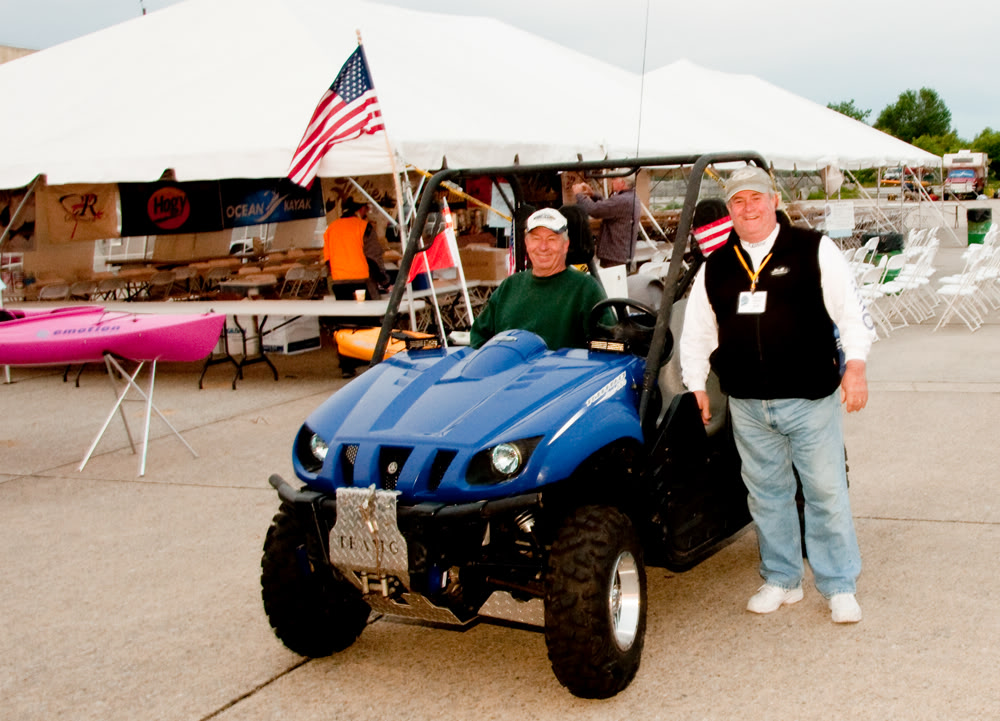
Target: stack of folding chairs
column 971, row 294
column 896, row 288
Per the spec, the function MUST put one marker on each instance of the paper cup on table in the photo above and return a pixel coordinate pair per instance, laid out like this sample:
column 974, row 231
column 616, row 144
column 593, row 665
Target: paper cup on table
column 359, row 295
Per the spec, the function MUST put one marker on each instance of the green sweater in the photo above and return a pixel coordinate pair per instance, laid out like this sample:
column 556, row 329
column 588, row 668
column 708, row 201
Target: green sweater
column 555, row 307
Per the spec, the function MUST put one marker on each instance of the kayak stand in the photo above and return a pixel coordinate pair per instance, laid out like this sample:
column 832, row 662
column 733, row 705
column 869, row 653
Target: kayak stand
column 121, row 391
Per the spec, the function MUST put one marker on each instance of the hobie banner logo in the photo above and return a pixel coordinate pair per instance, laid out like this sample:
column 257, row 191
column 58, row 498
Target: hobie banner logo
column 169, row 208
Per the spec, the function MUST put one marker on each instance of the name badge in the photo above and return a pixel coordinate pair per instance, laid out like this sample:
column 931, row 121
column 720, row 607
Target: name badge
column 752, row 303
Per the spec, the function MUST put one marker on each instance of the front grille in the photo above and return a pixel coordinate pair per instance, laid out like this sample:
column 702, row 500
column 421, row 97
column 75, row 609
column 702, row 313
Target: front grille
column 442, row 459
column 348, row 455
column 390, row 465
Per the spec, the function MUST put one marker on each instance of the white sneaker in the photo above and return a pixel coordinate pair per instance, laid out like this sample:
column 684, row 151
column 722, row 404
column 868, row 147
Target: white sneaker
column 844, row 608
column 769, row 599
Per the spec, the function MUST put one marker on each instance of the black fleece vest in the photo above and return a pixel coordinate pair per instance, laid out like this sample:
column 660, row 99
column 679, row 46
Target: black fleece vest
column 789, row 350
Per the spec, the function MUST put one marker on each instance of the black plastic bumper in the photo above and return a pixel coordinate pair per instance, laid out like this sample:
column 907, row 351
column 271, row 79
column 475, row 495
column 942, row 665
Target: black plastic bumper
column 441, row 511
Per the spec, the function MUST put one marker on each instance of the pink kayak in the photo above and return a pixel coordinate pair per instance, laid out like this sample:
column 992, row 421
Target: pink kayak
column 83, row 334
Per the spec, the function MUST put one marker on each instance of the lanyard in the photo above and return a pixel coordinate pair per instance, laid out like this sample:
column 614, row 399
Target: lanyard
column 753, row 276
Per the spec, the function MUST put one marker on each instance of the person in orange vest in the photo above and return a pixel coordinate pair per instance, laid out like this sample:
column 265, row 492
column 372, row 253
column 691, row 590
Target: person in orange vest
column 353, row 254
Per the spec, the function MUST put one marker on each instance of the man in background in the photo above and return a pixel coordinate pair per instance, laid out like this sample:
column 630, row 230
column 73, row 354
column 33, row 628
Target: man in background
column 619, row 214
column 353, row 254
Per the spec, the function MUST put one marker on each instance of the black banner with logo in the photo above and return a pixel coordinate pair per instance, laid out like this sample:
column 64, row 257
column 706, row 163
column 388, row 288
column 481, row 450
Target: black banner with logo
column 166, row 208
column 268, row 200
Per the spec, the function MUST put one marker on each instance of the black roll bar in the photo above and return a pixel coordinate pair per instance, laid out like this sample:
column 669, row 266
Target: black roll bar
column 698, row 164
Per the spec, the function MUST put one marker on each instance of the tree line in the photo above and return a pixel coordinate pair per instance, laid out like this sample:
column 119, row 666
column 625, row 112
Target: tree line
column 921, row 118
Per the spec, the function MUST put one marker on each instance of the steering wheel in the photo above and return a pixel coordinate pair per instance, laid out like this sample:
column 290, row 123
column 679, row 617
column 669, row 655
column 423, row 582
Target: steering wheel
column 634, row 328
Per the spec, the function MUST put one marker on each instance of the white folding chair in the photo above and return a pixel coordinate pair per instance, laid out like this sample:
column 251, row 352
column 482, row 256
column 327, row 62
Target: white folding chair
column 54, row 291
column 870, row 289
column 962, row 290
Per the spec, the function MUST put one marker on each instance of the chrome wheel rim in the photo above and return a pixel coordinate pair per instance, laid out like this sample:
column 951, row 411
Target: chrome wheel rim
column 624, row 600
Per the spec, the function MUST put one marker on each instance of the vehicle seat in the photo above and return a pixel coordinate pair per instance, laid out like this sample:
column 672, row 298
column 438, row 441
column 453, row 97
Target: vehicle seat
column 671, row 384
column 581, row 240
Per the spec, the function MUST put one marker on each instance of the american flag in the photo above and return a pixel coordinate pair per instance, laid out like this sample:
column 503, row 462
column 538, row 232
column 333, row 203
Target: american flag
column 348, row 110
column 713, row 235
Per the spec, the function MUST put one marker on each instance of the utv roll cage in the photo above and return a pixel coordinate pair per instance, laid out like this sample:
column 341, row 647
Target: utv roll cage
column 673, row 287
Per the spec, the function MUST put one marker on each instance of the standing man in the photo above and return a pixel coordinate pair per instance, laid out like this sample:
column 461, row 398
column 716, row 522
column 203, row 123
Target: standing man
column 353, row 253
column 763, row 313
column 619, row 216
column 551, row 299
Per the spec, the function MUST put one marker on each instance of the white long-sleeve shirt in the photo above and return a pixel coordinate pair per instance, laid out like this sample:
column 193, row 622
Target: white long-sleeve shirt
column 700, row 336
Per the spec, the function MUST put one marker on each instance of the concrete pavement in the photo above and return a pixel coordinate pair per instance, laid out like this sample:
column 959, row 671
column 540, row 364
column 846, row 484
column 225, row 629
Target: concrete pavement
column 138, row 598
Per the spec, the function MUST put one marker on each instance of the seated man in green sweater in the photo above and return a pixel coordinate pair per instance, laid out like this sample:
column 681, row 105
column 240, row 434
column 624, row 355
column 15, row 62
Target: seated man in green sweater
column 549, row 299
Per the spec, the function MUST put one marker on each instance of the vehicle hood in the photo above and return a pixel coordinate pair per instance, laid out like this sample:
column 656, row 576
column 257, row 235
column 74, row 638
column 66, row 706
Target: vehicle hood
column 466, row 396
column 463, row 401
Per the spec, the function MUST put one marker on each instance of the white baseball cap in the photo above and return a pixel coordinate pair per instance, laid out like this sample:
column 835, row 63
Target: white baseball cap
column 547, row 218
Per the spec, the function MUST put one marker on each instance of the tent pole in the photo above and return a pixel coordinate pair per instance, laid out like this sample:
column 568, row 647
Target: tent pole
column 878, row 210
column 373, row 202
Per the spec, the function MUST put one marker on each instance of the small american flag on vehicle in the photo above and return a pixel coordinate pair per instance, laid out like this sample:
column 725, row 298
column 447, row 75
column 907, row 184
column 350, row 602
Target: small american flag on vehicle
column 713, row 235
column 348, row 110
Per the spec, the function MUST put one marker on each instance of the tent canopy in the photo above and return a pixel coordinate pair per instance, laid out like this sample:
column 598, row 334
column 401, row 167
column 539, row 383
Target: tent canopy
column 224, row 88
column 708, row 110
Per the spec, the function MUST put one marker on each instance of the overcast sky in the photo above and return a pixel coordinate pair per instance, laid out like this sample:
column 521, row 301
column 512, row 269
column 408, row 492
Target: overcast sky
column 866, row 50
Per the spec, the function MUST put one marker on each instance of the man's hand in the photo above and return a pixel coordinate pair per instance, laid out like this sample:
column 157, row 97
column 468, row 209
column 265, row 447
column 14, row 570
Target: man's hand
column 706, row 412
column 581, row 188
column 854, row 387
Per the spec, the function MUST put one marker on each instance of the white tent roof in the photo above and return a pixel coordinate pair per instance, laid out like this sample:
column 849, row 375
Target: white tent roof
column 687, row 108
column 224, row 88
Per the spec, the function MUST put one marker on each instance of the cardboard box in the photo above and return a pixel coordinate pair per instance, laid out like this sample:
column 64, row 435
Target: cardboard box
column 291, row 335
column 234, row 338
column 482, row 263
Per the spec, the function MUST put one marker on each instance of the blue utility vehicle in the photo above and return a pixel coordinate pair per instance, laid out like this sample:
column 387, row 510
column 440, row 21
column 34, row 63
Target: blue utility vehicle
column 440, row 476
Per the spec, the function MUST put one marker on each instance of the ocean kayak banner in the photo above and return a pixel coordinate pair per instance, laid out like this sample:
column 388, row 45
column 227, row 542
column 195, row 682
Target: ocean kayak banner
column 166, row 208
column 268, row 200
column 79, row 212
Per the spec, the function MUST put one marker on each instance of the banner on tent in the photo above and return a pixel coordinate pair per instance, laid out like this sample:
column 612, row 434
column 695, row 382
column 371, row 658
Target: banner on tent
column 269, row 200
column 166, row 208
column 21, row 237
column 79, row 212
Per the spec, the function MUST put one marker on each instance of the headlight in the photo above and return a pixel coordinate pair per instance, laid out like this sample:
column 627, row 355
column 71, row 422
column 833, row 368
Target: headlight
column 310, row 449
column 506, row 459
column 318, row 447
column 501, row 462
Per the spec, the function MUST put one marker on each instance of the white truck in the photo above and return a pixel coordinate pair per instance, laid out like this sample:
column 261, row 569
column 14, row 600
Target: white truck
column 966, row 177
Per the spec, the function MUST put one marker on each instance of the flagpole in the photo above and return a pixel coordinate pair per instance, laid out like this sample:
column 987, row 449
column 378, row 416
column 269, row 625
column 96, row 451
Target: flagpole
column 453, row 249
column 403, row 231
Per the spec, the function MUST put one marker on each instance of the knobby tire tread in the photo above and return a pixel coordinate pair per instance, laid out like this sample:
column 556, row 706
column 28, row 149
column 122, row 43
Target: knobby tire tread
column 313, row 612
column 578, row 631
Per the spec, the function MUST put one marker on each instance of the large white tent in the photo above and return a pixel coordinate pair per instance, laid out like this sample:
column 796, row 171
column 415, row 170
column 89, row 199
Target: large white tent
column 223, row 88
column 702, row 110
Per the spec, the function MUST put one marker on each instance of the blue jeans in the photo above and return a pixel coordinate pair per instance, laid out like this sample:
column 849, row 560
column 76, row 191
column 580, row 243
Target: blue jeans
column 771, row 436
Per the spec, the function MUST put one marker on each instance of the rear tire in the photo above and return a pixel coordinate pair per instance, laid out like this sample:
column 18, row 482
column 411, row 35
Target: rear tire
column 311, row 609
column 595, row 603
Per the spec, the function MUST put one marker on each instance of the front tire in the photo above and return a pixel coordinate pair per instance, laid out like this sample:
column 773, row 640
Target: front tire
column 595, row 603
column 311, row 609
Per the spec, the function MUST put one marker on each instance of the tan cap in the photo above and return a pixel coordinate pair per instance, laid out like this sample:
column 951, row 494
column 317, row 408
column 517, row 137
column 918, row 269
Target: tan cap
column 749, row 178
